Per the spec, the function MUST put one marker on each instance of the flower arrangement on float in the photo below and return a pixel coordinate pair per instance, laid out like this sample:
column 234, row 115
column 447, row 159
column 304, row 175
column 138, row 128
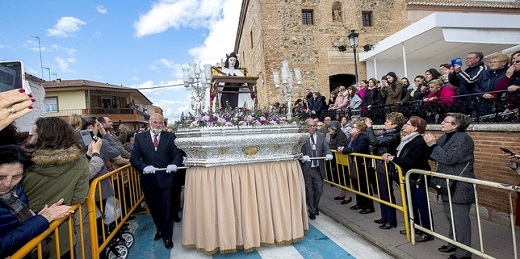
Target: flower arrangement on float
column 238, row 117
column 238, row 136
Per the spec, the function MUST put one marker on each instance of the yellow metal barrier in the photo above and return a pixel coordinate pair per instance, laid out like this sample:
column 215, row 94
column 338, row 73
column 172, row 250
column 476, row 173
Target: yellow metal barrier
column 36, row 243
column 342, row 164
column 127, row 188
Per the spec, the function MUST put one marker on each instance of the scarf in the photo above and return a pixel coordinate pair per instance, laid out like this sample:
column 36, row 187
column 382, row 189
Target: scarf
column 16, row 206
column 405, row 140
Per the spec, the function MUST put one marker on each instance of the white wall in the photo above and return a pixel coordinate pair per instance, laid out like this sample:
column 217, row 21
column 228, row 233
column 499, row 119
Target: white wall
column 38, row 93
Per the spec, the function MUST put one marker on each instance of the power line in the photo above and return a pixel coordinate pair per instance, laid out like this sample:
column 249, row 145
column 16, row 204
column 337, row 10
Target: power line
column 159, row 86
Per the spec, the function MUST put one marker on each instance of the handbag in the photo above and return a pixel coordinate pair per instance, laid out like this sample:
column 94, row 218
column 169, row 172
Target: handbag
column 441, row 184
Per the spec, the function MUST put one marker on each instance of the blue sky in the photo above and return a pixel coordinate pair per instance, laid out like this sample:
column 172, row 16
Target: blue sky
column 130, row 43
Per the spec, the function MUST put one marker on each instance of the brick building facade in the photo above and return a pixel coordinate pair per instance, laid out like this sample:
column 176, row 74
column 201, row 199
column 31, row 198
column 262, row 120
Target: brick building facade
column 270, row 31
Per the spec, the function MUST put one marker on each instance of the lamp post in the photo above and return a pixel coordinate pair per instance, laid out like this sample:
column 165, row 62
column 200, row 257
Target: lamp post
column 287, row 83
column 353, row 40
column 196, row 79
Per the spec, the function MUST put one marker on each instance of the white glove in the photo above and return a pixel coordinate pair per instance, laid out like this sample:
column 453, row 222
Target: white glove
column 149, row 170
column 328, row 157
column 306, row 159
column 171, row 168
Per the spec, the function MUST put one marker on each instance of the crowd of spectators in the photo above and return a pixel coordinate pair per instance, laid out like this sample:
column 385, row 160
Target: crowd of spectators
column 476, row 91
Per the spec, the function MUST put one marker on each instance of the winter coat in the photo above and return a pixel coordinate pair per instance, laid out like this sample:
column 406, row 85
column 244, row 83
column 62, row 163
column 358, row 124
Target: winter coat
column 392, row 93
column 13, row 234
column 467, row 79
column 489, row 79
column 56, row 174
column 414, row 155
column 358, row 145
column 452, row 157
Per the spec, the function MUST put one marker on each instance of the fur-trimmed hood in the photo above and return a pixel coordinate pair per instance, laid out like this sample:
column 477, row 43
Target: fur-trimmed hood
column 55, row 157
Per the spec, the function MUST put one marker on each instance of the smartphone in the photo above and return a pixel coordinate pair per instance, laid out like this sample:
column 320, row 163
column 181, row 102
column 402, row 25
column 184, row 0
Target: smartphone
column 12, row 76
column 456, row 61
column 505, row 150
column 87, row 136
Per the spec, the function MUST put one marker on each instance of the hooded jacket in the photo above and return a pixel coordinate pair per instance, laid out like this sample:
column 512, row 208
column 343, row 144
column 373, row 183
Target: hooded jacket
column 56, row 174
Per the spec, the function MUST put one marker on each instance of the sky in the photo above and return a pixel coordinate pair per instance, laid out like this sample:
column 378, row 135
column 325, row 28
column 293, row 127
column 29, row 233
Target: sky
column 138, row 44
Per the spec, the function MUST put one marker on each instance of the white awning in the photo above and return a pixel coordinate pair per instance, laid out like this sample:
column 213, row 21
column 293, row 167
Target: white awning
column 440, row 37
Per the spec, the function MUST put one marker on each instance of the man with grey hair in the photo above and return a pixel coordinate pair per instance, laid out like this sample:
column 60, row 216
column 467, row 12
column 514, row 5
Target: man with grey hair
column 156, row 157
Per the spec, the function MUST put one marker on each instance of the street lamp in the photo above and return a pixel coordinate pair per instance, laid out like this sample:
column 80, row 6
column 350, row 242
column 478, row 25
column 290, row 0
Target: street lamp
column 353, row 40
column 196, row 79
column 287, row 83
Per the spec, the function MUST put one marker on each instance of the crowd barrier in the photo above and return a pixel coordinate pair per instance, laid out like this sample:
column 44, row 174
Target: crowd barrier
column 92, row 229
column 337, row 174
column 501, row 189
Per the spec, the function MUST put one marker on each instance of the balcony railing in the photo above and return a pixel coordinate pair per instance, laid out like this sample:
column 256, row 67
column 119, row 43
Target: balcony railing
column 122, row 111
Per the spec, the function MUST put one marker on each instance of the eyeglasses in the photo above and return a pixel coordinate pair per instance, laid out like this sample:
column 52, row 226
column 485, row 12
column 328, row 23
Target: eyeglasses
column 470, row 58
column 450, row 122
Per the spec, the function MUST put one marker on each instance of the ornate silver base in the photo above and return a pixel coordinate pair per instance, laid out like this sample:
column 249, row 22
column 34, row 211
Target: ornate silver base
column 217, row 146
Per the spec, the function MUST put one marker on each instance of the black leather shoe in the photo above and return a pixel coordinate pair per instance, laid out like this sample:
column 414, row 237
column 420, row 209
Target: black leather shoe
column 339, row 198
column 356, row 207
column 168, row 244
column 317, row 212
column 453, row 256
column 346, row 201
column 312, row 216
column 380, row 221
column 424, row 238
column 158, row 235
column 366, row 211
column 388, row 225
column 447, row 249
column 417, row 232
column 176, row 219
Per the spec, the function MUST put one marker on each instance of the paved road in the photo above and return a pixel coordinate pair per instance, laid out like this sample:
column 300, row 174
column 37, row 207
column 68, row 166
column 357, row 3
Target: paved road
column 325, row 239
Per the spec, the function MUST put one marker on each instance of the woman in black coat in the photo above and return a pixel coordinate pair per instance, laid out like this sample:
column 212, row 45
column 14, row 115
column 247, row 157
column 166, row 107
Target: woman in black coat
column 413, row 153
column 358, row 143
column 386, row 142
column 338, row 139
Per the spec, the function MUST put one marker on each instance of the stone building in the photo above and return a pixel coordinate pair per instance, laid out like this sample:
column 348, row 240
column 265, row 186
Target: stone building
column 308, row 33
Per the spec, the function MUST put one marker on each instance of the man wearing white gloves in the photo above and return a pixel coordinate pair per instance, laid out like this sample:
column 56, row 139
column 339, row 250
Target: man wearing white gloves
column 156, row 157
column 313, row 169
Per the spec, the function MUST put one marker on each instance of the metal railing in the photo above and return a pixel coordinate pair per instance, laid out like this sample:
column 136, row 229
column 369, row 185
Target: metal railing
column 127, row 188
column 507, row 189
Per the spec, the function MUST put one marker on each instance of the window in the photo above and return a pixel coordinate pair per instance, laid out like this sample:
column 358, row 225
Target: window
column 367, row 18
column 51, row 104
column 307, row 16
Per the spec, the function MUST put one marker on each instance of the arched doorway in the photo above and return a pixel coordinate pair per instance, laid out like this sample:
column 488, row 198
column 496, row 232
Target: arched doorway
column 340, row 79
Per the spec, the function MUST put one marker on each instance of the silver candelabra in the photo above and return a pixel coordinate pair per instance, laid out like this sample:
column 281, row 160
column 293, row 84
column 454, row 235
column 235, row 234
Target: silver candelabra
column 287, row 84
column 197, row 79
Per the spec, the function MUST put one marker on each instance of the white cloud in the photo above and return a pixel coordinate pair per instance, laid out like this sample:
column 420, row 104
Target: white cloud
column 220, row 17
column 64, row 63
column 167, row 14
column 101, row 9
column 65, row 27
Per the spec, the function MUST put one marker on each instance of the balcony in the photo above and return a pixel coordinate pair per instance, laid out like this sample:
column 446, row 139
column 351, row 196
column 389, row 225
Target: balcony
column 117, row 114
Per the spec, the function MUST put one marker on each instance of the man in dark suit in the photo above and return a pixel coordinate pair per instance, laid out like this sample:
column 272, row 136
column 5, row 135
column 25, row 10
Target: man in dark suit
column 313, row 169
column 156, row 157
